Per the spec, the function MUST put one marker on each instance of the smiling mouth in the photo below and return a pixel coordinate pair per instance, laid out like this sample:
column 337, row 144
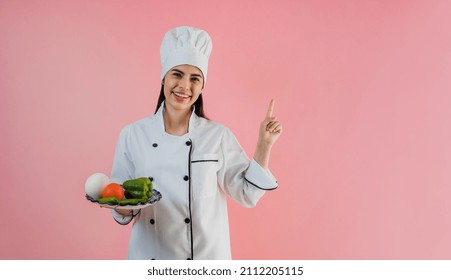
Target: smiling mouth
column 181, row 95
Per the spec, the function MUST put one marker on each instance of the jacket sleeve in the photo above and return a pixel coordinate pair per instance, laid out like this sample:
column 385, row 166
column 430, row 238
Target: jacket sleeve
column 124, row 220
column 241, row 178
column 122, row 170
column 123, row 167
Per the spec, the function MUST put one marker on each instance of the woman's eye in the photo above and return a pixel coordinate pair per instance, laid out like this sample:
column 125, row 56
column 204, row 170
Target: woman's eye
column 175, row 74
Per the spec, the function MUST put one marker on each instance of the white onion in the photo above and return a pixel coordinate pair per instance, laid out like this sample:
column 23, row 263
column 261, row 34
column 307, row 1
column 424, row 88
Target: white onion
column 95, row 184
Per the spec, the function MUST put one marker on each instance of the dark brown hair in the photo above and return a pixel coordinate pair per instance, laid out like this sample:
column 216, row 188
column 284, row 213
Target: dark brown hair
column 198, row 105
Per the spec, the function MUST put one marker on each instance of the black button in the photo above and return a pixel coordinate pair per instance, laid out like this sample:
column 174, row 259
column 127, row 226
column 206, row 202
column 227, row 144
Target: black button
column 154, row 145
column 152, row 221
column 186, row 178
column 187, row 220
column 151, row 179
column 153, row 259
column 188, row 259
column 188, row 143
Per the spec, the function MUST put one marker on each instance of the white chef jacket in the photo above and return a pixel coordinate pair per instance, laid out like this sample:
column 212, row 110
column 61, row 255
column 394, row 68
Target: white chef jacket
column 194, row 173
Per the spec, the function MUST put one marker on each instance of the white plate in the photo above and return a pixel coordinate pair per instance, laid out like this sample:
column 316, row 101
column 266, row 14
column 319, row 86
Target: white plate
column 156, row 196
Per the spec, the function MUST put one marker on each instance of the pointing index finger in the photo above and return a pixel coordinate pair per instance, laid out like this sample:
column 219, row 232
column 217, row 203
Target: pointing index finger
column 270, row 109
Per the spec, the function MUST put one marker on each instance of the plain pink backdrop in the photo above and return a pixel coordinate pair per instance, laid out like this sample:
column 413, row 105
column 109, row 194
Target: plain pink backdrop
column 363, row 89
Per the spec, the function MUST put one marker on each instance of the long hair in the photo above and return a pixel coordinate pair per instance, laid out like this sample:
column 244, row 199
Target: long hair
column 198, row 105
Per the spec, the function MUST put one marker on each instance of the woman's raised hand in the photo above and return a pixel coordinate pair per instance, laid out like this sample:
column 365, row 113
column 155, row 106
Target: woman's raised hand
column 270, row 131
column 270, row 127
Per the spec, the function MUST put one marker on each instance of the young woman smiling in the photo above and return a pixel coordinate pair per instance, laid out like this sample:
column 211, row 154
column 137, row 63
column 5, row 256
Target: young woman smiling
column 194, row 162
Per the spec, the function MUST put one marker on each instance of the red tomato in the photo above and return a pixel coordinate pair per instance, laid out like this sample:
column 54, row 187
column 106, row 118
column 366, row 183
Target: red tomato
column 113, row 189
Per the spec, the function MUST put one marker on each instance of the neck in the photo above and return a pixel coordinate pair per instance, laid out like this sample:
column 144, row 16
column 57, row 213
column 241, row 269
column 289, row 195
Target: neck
column 176, row 122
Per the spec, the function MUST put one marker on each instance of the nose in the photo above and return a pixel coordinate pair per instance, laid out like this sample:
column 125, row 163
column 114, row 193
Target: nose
column 184, row 84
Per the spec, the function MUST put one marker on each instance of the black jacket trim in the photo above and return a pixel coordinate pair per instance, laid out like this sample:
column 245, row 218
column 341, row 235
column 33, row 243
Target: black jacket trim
column 258, row 186
column 205, row 160
column 123, row 224
column 189, row 198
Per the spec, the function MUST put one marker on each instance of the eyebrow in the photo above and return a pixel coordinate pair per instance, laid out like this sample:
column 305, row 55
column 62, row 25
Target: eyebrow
column 192, row 75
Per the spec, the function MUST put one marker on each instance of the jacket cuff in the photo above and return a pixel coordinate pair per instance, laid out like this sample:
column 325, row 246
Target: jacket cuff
column 124, row 220
column 259, row 177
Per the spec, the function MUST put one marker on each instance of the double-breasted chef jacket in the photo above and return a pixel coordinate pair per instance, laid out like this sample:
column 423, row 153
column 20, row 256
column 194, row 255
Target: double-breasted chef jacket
column 194, row 173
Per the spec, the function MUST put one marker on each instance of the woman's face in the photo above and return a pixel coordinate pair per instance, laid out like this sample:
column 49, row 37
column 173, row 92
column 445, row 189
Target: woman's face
column 182, row 86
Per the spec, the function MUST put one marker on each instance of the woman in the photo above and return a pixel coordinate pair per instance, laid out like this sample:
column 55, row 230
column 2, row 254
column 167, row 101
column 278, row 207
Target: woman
column 194, row 162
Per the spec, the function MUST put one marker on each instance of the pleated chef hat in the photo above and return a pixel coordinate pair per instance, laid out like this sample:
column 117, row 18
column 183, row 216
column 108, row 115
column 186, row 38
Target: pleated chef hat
column 185, row 45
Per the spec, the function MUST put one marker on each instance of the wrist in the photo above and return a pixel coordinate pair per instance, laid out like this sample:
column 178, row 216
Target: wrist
column 124, row 212
column 263, row 146
column 261, row 155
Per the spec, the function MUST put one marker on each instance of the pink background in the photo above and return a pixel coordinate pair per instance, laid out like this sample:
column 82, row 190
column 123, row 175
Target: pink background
column 363, row 89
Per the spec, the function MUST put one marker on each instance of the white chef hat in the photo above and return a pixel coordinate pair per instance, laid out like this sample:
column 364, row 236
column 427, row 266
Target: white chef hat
column 185, row 45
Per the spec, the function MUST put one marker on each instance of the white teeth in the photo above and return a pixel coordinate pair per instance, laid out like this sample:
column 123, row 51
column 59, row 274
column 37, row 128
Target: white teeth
column 181, row 95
